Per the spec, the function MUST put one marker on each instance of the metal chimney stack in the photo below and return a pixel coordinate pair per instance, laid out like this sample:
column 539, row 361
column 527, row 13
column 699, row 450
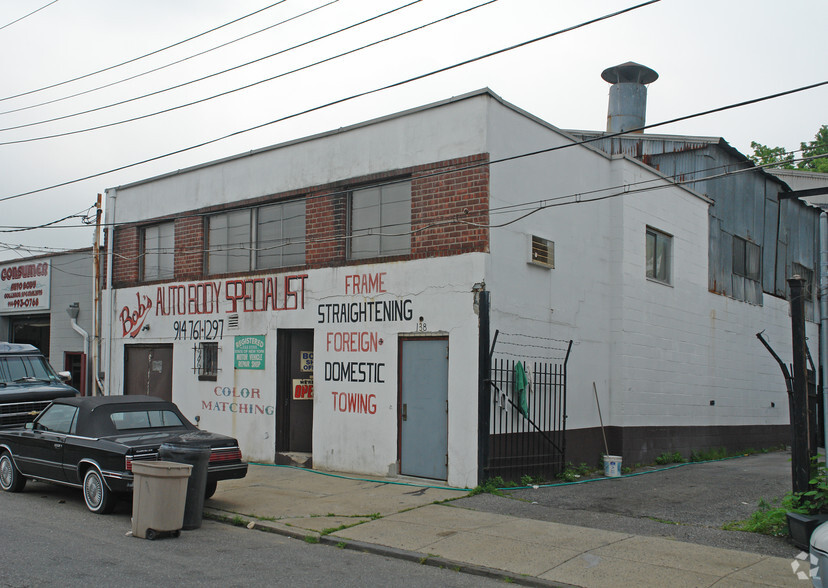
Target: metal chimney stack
column 627, row 96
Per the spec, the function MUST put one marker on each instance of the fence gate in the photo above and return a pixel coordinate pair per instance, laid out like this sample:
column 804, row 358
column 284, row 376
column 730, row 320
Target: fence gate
column 527, row 414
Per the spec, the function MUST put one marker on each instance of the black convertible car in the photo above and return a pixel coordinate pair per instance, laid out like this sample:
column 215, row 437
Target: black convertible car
column 91, row 443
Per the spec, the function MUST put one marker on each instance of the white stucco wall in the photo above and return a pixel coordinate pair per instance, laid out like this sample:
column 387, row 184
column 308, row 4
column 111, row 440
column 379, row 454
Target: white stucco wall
column 440, row 293
column 657, row 353
column 425, row 136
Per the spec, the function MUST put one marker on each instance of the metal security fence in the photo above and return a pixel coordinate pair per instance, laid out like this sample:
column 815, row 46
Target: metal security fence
column 528, row 416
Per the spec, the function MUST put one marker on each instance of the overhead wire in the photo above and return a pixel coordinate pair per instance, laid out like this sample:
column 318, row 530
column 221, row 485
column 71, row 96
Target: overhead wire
column 622, row 190
column 207, row 77
column 8, row 24
column 240, row 88
column 165, row 66
column 134, row 59
column 326, row 105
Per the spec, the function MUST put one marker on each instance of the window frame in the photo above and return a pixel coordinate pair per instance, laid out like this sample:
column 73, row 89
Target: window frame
column 658, row 237
column 537, row 245
column 205, row 360
column 252, row 239
column 289, row 249
column 741, row 253
column 385, row 244
column 164, row 271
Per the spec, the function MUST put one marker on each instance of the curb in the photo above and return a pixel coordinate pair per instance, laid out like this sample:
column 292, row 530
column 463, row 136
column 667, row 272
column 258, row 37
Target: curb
column 383, row 550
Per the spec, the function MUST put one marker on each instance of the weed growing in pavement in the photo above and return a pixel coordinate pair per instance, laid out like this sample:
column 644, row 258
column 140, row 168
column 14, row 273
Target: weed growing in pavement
column 311, row 539
column 708, row 455
column 572, row 472
column 341, row 544
column 770, row 517
column 532, row 480
column 667, row 458
column 490, row 486
column 238, row 521
column 330, row 530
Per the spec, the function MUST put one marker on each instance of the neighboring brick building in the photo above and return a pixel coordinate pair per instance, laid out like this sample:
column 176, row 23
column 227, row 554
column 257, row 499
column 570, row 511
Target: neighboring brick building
column 327, row 297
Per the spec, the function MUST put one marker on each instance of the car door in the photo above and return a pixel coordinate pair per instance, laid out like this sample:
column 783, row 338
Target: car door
column 41, row 451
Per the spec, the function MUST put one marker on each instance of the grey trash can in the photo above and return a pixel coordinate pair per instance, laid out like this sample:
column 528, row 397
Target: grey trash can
column 819, row 556
column 193, row 449
column 158, row 497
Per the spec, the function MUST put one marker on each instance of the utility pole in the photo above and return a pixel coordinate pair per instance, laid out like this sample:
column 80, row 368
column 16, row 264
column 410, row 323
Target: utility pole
column 800, row 465
column 96, row 310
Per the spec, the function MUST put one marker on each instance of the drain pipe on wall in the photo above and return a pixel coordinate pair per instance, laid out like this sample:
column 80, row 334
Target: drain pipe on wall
column 823, row 321
column 73, row 311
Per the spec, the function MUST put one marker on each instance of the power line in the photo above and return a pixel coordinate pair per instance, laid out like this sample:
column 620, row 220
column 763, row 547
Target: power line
column 245, row 87
column 329, row 104
column 27, row 15
column 540, row 205
column 549, row 202
column 134, row 59
column 159, row 68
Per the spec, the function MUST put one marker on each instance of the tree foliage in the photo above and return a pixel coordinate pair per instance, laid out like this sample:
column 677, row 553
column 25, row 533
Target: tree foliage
column 782, row 158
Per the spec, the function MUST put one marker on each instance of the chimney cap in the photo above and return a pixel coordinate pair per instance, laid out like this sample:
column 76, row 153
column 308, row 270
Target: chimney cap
column 629, row 73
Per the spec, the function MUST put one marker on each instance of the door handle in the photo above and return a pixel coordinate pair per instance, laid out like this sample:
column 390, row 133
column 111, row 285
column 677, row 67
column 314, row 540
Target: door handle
column 405, row 412
column 58, row 445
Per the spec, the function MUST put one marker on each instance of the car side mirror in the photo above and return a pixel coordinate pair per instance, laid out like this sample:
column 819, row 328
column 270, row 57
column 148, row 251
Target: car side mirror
column 65, row 377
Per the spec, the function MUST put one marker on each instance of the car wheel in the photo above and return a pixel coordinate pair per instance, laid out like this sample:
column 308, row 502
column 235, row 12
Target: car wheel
column 210, row 488
column 11, row 479
column 99, row 499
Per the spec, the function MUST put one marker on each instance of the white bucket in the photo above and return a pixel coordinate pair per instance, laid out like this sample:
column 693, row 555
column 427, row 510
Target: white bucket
column 612, row 466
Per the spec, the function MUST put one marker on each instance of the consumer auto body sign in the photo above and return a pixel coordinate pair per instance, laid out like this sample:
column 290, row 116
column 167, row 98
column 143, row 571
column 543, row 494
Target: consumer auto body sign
column 24, row 287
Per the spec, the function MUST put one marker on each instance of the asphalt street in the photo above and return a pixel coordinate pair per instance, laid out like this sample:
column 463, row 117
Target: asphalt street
column 689, row 503
column 49, row 538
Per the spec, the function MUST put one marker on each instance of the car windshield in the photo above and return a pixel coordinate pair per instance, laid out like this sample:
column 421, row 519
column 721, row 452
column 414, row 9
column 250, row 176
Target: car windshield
column 145, row 419
column 22, row 369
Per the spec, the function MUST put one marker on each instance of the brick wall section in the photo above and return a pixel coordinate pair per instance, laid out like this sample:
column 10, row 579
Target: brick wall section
column 125, row 260
column 449, row 216
column 450, row 211
column 189, row 248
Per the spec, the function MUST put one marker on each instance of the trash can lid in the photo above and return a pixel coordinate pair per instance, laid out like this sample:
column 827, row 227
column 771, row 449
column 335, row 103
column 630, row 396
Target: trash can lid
column 202, row 438
column 819, row 538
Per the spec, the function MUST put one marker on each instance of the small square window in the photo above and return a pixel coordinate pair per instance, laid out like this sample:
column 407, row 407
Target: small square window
column 659, row 253
column 205, row 361
column 542, row 252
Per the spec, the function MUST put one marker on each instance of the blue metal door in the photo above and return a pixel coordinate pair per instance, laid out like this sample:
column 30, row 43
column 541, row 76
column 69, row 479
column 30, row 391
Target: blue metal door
column 424, row 408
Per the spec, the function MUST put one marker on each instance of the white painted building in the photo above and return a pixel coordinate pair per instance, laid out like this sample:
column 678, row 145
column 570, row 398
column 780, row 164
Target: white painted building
column 322, row 298
column 36, row 296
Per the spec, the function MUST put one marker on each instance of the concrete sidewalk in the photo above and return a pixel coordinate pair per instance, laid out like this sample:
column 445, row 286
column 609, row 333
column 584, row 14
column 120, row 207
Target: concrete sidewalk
column 409, row 520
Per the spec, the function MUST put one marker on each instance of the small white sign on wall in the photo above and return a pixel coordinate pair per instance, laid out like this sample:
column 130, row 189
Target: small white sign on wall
column 25, row 287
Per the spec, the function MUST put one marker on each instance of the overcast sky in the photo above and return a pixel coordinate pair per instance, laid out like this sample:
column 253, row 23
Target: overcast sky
column 708, row 53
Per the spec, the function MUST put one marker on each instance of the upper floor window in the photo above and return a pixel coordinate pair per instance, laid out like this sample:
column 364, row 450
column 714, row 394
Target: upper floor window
column 158, row 252
column 280, row 232
column 256, row 238
column 380, row 221
column 747, row 259
column 659, row 253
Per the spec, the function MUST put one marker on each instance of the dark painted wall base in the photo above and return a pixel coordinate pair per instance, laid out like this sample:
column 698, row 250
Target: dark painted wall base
column 644, row 444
